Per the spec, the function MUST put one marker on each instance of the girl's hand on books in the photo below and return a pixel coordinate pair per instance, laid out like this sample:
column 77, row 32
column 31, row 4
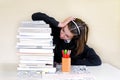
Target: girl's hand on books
column 65, row 22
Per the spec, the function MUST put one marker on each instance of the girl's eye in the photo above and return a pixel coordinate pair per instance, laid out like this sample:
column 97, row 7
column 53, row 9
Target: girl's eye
column 63, row 30
column 67, row 36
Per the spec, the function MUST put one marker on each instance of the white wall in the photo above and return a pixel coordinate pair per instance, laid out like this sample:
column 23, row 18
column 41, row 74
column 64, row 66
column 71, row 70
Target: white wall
column 102, row 16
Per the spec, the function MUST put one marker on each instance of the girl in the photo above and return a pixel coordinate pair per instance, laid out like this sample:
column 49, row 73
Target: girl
column 71, row 34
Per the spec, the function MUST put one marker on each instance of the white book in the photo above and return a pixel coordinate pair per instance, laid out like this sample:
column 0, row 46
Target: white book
column 34, row 44
column 36, row 58
column 33, row 22
column 39, row 30
column 35, row 65
column 34, row 26
column 41, row 61
column 35, row 50
column 34, row 36
column 34, row 40
column 35, row 54
column 42, row 40
column 47, row 70
column 37, row 43
column 34, row 47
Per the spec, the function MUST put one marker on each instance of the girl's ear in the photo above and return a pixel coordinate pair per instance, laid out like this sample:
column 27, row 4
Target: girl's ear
column 76, row 37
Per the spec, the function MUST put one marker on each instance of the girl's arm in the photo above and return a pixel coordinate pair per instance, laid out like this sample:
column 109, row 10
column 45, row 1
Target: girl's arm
column 51, row 20
column 42, row 16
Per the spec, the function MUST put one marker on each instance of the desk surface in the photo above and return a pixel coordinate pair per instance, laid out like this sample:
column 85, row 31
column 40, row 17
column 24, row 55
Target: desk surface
column 103, row 72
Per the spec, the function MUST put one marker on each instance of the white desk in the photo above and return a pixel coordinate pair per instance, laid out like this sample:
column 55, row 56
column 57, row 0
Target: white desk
column 103, row 72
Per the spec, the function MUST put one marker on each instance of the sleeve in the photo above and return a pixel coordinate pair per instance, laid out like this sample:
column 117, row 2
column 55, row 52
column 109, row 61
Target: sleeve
column 42, row 16
column 90, row 59
column 51, row 21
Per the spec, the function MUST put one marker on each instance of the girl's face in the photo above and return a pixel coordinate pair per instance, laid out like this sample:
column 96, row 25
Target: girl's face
column 65, row 33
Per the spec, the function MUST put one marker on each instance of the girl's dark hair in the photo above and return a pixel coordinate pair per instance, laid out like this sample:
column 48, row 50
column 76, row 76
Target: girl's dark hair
column 80, row 30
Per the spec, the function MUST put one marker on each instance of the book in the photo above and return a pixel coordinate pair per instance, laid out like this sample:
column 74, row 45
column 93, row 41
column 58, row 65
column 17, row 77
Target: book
column 32, row 65
column 33, row 36
column 49, row 44
column 37, row 61
column 35, row 54
column 40, row 22
column 35, row 50
column 33, row 30
column 35, row 27
column 46, row 70
column 34, row 40
column 35, row 47
column 36, row 58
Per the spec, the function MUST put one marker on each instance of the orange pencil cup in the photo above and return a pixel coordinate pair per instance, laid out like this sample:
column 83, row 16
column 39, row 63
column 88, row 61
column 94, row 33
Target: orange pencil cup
column 66, row 64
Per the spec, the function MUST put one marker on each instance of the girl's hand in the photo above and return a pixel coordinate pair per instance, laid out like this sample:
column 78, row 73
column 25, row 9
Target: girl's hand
column 65, row 22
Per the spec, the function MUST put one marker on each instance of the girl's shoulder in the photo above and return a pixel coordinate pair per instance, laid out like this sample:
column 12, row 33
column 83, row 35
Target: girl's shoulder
column 88, row 49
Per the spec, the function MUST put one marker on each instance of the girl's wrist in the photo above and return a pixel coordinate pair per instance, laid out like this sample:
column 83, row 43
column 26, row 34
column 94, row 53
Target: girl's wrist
column 65, row 22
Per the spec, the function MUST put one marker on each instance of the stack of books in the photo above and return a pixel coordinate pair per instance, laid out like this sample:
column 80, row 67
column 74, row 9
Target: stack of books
column 35, row 47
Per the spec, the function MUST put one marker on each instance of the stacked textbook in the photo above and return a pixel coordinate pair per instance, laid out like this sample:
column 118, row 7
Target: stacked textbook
column 35, row 47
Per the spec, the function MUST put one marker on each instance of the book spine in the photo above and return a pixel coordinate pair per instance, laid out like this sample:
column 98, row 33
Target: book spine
column 39, row 30
column 47, row 70
column 35, row 50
